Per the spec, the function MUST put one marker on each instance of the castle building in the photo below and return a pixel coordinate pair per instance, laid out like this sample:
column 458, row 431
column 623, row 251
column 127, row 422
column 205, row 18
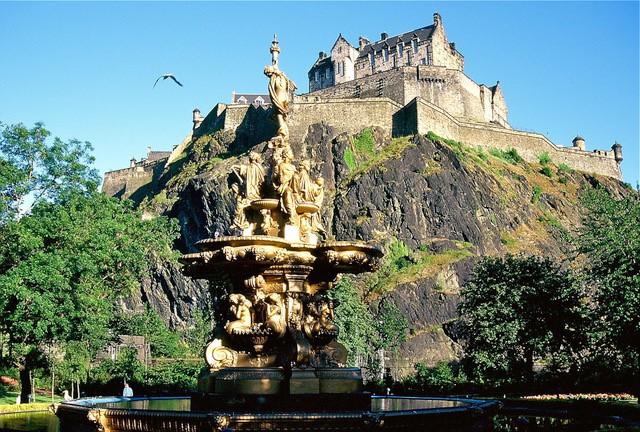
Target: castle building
column 410, row 83
column 420, row 62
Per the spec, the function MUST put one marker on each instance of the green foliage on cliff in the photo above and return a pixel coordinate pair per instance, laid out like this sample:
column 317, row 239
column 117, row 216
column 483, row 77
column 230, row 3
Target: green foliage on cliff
column 520, row 309
column 402, row 265
column 362, row 155
column 511, row 155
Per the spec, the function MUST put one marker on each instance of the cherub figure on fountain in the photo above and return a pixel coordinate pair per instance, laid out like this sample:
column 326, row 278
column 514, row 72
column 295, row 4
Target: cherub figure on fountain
column 240, row 308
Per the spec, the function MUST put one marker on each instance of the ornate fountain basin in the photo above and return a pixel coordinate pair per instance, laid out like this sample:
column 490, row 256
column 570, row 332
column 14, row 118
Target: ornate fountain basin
column 399, row 413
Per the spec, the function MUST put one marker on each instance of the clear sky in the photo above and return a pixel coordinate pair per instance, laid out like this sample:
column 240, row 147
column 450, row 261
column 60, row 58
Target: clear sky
column 87, row 69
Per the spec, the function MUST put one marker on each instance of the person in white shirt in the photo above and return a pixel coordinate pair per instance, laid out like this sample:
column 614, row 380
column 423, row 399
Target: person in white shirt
column 128, row 391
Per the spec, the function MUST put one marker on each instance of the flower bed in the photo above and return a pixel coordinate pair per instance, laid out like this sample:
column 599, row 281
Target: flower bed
column 583, row 396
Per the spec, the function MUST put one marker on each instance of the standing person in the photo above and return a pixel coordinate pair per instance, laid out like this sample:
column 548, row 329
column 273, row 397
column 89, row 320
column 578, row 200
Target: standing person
column 128, row 391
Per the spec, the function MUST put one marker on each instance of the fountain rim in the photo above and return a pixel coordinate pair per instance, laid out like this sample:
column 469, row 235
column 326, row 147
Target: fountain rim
column 468, row 405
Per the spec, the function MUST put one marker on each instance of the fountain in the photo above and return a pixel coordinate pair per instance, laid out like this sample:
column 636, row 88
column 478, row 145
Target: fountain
column 276, row 364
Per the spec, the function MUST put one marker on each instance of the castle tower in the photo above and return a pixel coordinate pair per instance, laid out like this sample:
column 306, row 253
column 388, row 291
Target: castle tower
column 197, row 118
column 617, row 151
column 578, row 143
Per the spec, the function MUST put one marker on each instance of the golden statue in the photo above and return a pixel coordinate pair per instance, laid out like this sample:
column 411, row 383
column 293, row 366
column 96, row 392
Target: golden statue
column 284, row 182
column 280, row 90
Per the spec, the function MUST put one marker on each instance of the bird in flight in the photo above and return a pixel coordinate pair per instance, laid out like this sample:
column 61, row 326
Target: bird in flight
column 165, row 76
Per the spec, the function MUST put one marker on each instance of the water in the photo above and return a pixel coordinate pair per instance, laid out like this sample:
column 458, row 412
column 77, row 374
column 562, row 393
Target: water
column 377, row 404
column 42, row 421
column 47, row 422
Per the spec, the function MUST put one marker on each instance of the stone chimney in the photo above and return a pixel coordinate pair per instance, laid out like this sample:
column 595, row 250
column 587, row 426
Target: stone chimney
column 578, row 143
column 362, row 42
column 617, row 151
column 197, row 118
column 321, row 55
column 383, row 36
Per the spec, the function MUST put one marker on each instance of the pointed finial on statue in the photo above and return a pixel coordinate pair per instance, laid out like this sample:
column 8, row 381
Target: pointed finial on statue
column 275, row 50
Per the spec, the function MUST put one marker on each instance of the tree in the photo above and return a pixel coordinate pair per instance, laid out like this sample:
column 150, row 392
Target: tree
column 391, row 325
column 518, row 309
column 609, row 238
column 63, row 267
column 354, row 319
column 33, row 168
column 163, row 341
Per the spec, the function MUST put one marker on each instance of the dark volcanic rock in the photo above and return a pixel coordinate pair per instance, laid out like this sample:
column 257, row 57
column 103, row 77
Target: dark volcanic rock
column 427, row 191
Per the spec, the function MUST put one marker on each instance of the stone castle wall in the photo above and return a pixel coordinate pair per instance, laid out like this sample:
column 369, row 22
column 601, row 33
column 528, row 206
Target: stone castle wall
column 447, row 88
column 418, row 116
column 255, row 125
column 124, row 182
column 530, row 146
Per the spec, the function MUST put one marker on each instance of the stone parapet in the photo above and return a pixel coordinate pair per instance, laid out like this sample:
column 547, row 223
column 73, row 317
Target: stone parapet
column 429, row 117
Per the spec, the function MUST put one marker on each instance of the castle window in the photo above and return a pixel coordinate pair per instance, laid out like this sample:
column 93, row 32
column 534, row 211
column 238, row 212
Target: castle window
column 414, row 45
column 400, row 48
column 372, row 58
column 317, row 75
column 385, row 54
column 423, row 61
column 328, row 73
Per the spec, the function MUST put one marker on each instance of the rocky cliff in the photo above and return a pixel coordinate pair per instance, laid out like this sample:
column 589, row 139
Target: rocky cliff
column 445, row 203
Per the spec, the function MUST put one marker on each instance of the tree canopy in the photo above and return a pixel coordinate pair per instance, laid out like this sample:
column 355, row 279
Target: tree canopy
column 64, row 264
column 610, row 241
column 35, row 168
column 519, row 309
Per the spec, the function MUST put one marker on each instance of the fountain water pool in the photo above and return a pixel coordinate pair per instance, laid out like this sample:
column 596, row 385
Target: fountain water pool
column 175, row 414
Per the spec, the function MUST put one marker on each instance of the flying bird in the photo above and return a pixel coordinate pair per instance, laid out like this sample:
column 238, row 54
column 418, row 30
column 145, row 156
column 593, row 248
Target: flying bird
column 164, row 77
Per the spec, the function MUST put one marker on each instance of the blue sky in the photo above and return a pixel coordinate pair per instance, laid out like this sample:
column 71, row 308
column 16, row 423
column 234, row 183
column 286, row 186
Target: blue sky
column 87, row 69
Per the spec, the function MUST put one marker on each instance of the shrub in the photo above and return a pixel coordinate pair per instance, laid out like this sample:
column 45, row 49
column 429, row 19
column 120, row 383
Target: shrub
column 537, row 192
column 442, row 378
column 546, row 171
column 511, row 156
column 544, row 159
column 564, row 169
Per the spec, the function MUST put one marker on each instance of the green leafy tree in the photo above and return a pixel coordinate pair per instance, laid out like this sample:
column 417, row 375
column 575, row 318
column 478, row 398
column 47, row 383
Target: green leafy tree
column 519, row 309
column 198, row 334
column 354, row 319
column 610, row 240
column 391, row 325
column 63, row 266
column 34, row 168
column 163, row 341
